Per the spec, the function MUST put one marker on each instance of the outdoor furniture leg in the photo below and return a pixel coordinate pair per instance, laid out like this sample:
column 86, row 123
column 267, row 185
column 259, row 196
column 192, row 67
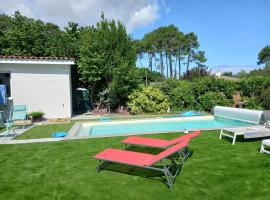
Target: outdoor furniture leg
column 262, row 148
column 6, row 134
column 220, row 134
column 102, row 165
column 168, row 175
column 234, row 139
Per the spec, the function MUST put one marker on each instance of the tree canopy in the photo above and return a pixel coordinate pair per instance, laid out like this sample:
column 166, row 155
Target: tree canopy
column 264, row 56
column 167, row 49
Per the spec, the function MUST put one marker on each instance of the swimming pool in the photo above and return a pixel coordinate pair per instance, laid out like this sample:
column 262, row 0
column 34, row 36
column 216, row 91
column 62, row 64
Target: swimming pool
column 113, row 128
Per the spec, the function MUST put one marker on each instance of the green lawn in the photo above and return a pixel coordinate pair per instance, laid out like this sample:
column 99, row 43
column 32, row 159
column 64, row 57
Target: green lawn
column 66, row 170
column 44, row 131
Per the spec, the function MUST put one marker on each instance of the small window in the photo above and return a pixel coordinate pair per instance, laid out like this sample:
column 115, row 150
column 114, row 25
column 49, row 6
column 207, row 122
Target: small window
column 5, row 79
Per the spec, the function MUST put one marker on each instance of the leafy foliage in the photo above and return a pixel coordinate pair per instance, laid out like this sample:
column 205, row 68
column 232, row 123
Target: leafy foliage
column 211, row 99
column 227, row 73
column 264, row 56
column 198, row 71
column 25, row 36
column 166, row 47
column 182, row 97
column 252, row 103
column 148, row 100
column 265, row 98
column 37, row 115
column 107, row 60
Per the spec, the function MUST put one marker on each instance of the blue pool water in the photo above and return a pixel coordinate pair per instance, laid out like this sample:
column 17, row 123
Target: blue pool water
column 154, row 126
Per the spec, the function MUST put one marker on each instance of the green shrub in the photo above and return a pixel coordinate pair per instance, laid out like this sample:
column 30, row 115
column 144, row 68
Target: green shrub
column 182, row 96
column 252, row 103
column 148, row 100
column 211, row 99
column 36, row 116
column 265, row 98
column 253, row 86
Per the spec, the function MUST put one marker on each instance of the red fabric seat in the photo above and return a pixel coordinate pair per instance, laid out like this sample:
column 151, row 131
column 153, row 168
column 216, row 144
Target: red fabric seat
column 152, row 142
column 122, row 156
column 146, row 141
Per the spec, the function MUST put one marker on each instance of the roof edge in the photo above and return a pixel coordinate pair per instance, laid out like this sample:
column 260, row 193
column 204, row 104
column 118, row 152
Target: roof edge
column 36, row 60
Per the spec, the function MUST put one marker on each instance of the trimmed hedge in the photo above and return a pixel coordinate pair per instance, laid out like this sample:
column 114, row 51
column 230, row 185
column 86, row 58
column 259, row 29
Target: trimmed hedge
column 197, row 94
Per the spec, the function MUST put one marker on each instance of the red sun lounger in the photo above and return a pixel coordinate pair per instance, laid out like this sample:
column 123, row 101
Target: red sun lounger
column 158, row 143
column 145, row 160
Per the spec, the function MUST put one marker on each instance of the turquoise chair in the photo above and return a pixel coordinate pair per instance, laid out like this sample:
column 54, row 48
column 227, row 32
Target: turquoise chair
column 6, row 124
column 18, row 113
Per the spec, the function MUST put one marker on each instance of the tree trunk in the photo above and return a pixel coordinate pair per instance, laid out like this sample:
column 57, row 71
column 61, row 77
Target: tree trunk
column 170, row 62
column 175, row 68
column 179, row 66
column 161, row 64
column 150, row 56
column 155, row 60
column 167, row 68
column 188, row 61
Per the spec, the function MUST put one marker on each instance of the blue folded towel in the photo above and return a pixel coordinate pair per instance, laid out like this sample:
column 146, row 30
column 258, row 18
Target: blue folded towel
column 59, row 134
column 105, row 119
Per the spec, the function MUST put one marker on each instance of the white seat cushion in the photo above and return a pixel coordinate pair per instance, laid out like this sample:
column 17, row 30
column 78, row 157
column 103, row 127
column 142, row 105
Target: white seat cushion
column 266, row 142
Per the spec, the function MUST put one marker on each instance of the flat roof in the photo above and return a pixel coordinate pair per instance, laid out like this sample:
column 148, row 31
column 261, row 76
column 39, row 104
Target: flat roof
column 36, row 60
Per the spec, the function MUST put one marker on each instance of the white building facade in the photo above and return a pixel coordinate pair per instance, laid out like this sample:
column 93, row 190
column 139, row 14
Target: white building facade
column 41, row 83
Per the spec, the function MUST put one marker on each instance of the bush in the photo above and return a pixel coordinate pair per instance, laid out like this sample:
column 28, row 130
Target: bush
column 148, row 100
column 265, row 98
column 252, row 103
column 211, row 99
column 36, row 116
column 182, row 97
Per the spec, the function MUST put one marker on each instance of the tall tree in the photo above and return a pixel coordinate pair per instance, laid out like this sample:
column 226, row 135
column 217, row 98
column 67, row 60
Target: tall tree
column 264, row 56
column 191, row 43
column 107, row 60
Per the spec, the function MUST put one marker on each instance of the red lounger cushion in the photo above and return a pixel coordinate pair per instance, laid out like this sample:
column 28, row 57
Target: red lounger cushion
column 137, row 140
column 146, row 141
column 123, row 156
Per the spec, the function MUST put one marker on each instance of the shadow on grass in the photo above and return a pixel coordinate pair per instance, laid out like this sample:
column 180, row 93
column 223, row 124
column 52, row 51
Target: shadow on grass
column 241, row 139
column 8, row 135
column 140, row 172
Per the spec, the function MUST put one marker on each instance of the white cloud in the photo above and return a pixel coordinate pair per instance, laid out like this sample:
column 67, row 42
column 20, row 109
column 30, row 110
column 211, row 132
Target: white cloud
column 133, row 13
column 143, row 17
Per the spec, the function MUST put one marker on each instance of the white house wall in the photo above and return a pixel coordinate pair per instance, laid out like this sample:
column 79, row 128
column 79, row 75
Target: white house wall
column 43, row 87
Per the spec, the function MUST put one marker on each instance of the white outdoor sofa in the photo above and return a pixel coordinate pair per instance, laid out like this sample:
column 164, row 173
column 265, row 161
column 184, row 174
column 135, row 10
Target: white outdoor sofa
column 248, row 132
column 265, row 143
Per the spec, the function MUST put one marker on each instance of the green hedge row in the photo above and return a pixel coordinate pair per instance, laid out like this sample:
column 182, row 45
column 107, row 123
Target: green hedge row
column 204, row 93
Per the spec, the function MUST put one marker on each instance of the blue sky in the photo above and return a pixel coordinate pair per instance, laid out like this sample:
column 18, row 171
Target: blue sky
column 232, row 32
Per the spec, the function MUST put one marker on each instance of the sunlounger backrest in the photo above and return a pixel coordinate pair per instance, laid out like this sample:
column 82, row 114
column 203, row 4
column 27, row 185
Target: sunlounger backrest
column 173, row 149
column 184, row 137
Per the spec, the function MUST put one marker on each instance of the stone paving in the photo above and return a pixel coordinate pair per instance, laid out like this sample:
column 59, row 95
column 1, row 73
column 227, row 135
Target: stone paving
column 9, row 138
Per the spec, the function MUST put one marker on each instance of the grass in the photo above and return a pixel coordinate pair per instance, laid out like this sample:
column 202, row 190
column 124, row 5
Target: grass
column 44, row 131
column 66, row 170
